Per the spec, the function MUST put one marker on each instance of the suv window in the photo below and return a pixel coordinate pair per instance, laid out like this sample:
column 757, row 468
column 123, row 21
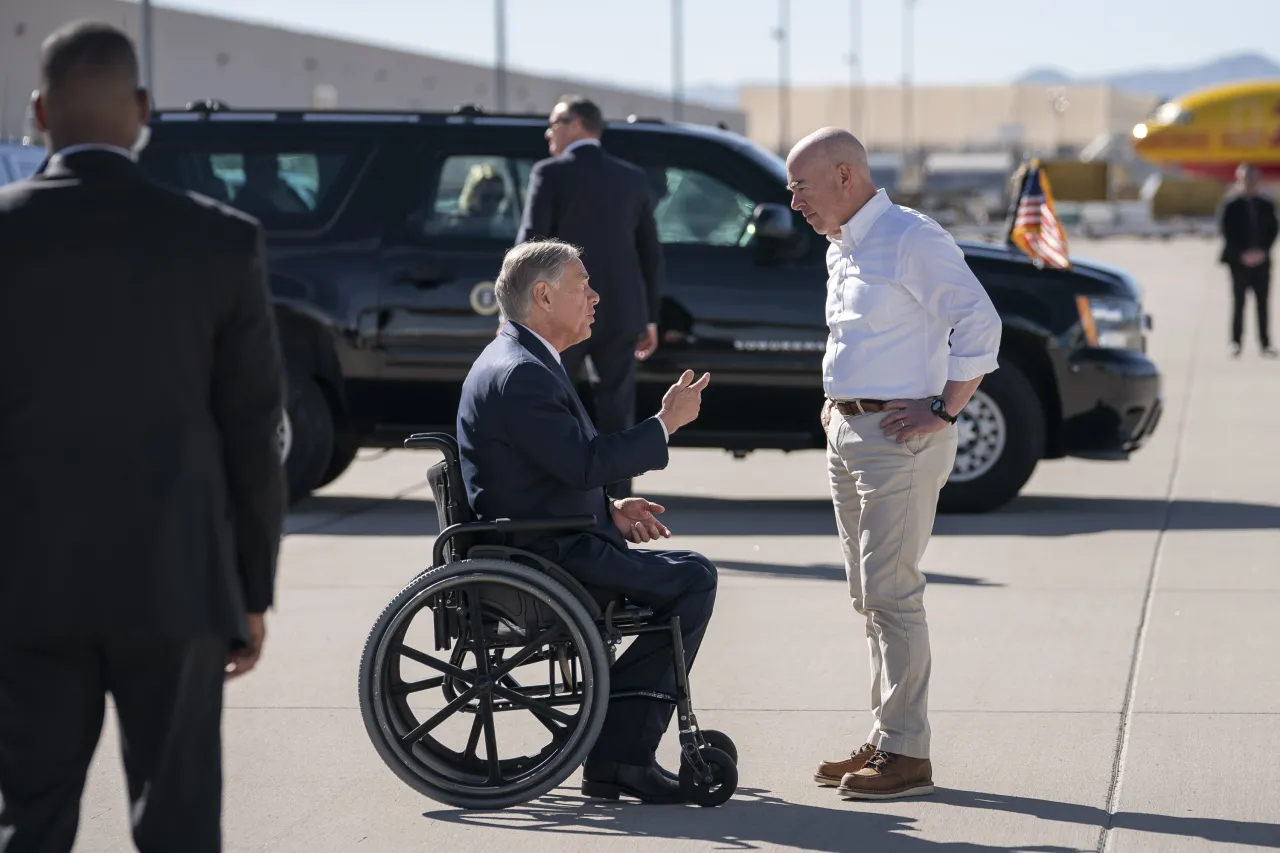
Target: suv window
column 477, row 196
column 698, row 208
column 284, row 188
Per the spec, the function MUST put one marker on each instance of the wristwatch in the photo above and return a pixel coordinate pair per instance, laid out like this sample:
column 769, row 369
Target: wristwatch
column 939, row 408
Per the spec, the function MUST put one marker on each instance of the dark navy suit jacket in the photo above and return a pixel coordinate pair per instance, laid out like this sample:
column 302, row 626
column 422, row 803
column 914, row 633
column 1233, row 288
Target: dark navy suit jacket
column 603, row 205
column 529, row 450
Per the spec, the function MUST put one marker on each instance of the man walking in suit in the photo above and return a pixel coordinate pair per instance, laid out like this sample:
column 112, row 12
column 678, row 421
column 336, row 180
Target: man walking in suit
column 529, row 450
column 601, row 204
column 1249, row 228
column 912, row 334
column 141, row 512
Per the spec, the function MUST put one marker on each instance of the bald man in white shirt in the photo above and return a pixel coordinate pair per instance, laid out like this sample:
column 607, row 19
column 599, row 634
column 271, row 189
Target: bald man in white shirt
column 912, row 333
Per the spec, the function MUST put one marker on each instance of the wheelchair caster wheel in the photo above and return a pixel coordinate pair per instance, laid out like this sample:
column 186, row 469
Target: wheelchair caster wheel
column 722, row 742
column 717, row 789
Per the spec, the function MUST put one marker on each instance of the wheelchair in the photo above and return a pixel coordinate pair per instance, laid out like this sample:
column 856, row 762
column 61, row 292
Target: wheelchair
column 490, row 611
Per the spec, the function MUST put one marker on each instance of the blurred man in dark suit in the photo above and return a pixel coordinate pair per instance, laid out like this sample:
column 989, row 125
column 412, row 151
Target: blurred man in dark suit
column 142, row 499
column 1249, row 229
column 601, row 204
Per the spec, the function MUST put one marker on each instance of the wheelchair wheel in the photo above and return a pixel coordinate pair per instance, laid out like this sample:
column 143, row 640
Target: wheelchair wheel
column 717, row 787
column 722, row 742
column 503, row 618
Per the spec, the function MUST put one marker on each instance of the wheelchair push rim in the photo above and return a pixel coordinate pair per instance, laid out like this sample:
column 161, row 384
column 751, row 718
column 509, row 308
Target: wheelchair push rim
column 462, row 778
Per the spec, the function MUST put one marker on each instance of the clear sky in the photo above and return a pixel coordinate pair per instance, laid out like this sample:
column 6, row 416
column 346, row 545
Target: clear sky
column 730, row 41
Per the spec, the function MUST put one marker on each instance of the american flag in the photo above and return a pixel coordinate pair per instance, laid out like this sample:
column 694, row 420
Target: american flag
column 1036, row 229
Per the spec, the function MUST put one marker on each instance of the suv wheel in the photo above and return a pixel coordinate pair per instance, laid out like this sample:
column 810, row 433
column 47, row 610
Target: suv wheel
column 1001, row 439
column 345, row 449
column 310, row 436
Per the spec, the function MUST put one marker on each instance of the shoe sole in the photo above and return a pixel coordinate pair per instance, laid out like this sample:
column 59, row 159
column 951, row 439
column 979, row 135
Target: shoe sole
column 918, row 790
column 610, row 791
column 826, row 781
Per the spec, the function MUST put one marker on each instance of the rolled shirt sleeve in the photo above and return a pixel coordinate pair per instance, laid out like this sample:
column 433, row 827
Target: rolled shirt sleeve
column 932, row 267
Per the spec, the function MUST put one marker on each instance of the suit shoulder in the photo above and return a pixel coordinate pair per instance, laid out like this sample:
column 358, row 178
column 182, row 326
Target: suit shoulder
column 218, row 214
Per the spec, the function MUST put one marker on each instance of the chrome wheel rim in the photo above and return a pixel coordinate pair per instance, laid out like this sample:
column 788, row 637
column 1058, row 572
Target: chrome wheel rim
column 981, row 434
column 284, row 434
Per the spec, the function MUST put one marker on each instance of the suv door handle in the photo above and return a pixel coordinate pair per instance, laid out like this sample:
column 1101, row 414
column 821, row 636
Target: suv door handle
column 424, row 275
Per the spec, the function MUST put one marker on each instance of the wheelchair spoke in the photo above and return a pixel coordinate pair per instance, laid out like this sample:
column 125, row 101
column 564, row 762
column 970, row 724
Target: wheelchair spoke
column 537, row 707
column 476, row 728
column 486, row 698
column 415, row 686
column 440, row 716
column 448, row 669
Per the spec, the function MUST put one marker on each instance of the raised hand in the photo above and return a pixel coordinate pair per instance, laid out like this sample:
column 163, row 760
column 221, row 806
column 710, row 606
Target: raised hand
column 683, row 401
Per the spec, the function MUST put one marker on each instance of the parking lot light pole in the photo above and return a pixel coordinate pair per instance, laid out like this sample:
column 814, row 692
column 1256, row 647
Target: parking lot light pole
column 677, row 60
column 500, row 53
column 148, row 55
column 783, row 35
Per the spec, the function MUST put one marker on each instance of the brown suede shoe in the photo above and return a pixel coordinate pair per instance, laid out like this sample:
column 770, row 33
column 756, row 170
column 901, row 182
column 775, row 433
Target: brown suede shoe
column 831, row 772
column 888, row 776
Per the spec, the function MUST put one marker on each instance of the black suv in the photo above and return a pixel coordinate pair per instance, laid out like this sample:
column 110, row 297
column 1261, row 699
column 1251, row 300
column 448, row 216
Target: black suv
column 386, row 229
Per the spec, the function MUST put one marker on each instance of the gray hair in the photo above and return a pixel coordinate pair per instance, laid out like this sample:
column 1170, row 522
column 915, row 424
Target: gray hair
column 526, row 265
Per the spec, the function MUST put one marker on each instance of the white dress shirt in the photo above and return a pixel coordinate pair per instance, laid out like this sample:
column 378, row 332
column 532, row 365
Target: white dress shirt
column 590, row 140
column 897, row 288
column 556, row 355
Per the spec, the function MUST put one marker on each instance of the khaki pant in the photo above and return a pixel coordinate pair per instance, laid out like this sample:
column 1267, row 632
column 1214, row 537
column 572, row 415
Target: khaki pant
column 886, row 496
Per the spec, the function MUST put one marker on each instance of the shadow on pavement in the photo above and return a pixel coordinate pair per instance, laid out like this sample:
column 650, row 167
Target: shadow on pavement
column 756, row 819
column 1029, row 515
column 833, row 572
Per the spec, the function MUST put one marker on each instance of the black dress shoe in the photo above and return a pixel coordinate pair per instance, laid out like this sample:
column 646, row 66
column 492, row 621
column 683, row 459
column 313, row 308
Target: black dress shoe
column 648, row 783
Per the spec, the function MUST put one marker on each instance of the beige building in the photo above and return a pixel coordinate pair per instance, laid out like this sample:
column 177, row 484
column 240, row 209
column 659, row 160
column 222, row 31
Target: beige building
column 249, row 65
column 948, row 118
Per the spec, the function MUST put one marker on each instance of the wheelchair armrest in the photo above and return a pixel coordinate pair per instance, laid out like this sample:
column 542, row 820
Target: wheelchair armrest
column 443, row 442
column 507, row 525
column 544, row 525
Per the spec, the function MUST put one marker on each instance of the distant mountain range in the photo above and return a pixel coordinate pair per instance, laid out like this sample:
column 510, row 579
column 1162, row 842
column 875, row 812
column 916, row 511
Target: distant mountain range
column 1167, row 82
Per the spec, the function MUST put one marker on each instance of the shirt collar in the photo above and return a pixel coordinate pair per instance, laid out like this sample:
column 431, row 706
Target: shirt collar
column 545, row 342
column 91, row 146
column 852, row 232
column 581, row 142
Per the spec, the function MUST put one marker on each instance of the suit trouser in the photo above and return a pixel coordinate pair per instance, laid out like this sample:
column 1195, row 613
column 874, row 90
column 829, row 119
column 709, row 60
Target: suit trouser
column 168, row 697
column 614, row 395
column 672, row 583
column 886, row 496
column 1258, row 280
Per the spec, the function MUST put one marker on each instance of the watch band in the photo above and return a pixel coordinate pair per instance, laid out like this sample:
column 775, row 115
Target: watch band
column 939, row 408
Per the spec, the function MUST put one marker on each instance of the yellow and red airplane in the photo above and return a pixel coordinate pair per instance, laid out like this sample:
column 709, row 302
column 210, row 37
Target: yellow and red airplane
column 1209, row 132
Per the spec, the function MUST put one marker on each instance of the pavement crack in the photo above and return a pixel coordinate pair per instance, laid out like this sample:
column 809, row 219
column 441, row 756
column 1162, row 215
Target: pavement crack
column 1144, row 620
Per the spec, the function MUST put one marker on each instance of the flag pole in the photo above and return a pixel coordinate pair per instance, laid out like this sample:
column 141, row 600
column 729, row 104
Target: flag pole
column 1012, row 217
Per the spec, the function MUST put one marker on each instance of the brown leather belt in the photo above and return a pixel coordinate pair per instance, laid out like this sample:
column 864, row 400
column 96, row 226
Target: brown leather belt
column 859, row 407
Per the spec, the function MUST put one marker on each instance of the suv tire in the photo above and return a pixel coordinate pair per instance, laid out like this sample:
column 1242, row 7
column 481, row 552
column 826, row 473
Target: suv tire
column 312, row 430
column 345, row 449
column 1001, row 440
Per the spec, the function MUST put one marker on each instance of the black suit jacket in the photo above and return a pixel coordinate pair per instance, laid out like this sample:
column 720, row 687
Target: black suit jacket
column 1241, row 231
column 601, row 204
column 529, row 450
column 141, row 491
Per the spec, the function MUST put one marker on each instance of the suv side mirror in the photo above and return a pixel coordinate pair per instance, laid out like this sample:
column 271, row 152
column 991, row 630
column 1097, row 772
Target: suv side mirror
column 773, row 221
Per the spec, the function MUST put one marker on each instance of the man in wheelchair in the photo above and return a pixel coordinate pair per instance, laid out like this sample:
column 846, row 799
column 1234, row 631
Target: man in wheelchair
column 529, row 450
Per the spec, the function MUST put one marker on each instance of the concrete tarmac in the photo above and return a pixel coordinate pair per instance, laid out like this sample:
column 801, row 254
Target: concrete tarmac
column 1104, row 677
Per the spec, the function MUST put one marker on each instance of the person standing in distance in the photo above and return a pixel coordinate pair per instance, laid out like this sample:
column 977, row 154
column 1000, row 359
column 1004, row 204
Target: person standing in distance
column 587, row 197
column 140, row 394
column 898, row 289
column 1248, row 225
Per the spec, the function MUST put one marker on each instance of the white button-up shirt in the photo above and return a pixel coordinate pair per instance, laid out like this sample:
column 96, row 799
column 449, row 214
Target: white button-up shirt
column 898, row 287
